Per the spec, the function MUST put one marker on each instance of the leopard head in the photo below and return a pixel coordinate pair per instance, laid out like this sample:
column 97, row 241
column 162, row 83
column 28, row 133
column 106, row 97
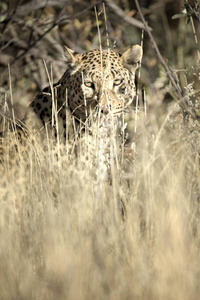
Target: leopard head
column 100, row 80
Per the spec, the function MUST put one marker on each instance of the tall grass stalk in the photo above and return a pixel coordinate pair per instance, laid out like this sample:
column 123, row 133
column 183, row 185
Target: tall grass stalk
column 78, row 224
column 62, row 239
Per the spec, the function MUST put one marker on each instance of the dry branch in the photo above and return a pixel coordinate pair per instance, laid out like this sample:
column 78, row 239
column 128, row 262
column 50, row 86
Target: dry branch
column 183, row 100
column 124, row 16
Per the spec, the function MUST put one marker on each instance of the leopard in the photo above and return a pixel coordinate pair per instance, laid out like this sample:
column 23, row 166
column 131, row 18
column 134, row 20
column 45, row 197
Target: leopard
column 96, row 88
column 96, row 83
column 99, row 83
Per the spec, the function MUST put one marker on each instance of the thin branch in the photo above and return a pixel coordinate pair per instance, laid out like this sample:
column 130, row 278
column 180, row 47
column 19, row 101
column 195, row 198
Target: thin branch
column 33, row 45
column 33, row 6
column 55, row 23
column 184, row 103
column 9, row 19
column 124, row 16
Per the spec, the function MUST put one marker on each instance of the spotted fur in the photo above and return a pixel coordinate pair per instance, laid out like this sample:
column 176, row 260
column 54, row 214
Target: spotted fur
column 100, row 81
column 97, row 84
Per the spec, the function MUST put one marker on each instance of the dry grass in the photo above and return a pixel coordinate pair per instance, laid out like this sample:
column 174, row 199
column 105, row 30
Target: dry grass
column 63, row 237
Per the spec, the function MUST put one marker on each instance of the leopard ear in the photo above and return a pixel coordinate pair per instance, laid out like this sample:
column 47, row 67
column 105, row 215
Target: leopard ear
column 132, row 57
column 73, row 60
column 69, row 54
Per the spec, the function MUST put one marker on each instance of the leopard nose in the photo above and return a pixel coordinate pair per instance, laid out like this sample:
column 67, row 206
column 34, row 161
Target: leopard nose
column 106, row 102
column 106, row 109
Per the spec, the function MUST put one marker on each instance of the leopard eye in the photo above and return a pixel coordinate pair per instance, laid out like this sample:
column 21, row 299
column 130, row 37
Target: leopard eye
column 118, row 81
column 89, row 84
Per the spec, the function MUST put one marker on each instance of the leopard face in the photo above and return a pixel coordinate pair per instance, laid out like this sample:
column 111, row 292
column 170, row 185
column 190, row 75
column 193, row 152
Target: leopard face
column 100, row 81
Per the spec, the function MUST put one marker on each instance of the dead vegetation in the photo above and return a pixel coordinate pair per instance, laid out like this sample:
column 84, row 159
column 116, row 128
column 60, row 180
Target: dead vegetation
column 62, row 235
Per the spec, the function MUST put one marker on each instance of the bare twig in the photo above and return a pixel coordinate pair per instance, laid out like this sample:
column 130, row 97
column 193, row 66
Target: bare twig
column 183, row 99
column 60, row 19
column 53, row 25
column 124, row 16
column 65, row 19
column 9, row 19
column 33, row 44
column 25, row 9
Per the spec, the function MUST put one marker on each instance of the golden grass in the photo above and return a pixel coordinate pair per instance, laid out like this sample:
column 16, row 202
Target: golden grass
column 63, row 236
